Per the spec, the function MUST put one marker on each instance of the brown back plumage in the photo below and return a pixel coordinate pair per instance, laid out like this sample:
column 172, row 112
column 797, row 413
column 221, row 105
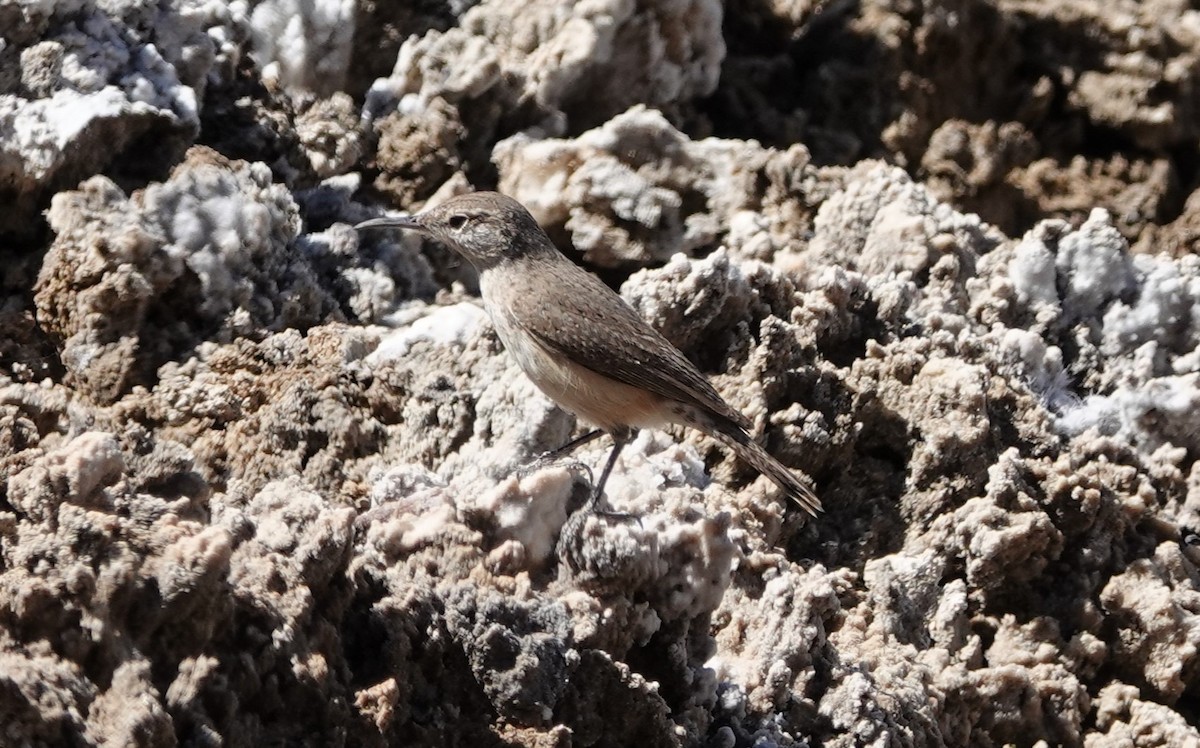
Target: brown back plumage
column 594, row 327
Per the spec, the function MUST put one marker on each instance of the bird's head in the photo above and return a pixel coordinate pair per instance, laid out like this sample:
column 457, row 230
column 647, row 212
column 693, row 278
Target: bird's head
column 487, row 228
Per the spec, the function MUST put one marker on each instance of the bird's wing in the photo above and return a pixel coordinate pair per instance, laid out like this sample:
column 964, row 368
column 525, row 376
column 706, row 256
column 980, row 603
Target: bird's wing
column 613, row 341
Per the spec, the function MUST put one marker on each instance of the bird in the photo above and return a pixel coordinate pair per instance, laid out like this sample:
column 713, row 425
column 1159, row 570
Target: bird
column 579, row 342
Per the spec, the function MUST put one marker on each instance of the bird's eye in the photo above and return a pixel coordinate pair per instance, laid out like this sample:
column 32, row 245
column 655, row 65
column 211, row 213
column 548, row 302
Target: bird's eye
column 458, row 221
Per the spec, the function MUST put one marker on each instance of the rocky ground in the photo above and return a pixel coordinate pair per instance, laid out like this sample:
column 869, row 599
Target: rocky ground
column 260, row 477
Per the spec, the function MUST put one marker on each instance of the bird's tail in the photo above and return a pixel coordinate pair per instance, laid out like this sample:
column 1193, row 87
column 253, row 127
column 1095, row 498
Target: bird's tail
column 750, row 451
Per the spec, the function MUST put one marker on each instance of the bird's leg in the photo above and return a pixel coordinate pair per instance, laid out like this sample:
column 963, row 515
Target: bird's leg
column 571, row 446
column 621, row 437
column 547, row 458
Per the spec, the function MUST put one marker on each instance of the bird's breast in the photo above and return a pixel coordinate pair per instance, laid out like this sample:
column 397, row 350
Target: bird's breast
column 594, row 397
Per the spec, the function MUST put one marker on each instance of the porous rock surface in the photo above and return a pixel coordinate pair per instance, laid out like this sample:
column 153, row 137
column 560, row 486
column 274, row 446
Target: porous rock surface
column 266, row 481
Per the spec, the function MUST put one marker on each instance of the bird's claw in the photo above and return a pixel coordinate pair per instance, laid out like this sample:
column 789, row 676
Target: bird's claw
column 549, row 458
column 594, row 508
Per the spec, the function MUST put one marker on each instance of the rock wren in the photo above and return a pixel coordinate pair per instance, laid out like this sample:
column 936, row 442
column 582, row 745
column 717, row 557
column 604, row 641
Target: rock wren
column 579, row 341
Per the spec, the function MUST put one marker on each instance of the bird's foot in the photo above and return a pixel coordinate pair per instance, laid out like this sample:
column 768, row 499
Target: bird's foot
column 548, row 459
column 599, row 508
column 545, row 459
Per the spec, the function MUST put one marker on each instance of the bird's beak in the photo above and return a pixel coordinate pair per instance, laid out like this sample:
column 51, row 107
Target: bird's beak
column 401, row 222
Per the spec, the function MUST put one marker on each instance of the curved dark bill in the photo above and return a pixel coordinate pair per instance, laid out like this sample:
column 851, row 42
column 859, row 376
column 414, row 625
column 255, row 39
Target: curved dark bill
column 403, row 222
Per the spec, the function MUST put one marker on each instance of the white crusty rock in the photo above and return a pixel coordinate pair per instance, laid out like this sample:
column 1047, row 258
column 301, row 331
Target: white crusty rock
column 205, row 253
column 304, row 45
column 103, row 83
column 636, row 190
column 587, row 61
column 268, row 481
